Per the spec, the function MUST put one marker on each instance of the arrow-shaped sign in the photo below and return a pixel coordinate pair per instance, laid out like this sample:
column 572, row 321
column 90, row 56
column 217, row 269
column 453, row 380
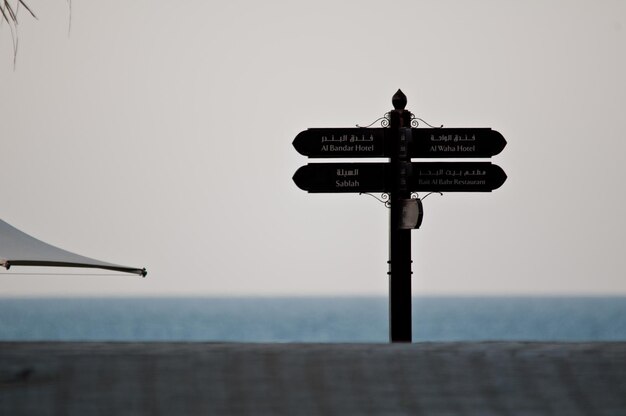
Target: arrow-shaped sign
column 342, row 142
column 456, row 142
column 342, row 177
column 456, row 177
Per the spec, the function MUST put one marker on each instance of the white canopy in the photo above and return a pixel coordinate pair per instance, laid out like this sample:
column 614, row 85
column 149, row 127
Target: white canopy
column 20, row 249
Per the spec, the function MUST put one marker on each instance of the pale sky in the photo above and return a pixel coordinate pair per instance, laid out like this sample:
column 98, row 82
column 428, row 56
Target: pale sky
column 159, row 134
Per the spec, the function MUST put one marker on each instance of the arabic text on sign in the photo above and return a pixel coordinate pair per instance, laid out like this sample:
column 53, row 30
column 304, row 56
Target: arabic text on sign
column 352, row 138
column 453, row 138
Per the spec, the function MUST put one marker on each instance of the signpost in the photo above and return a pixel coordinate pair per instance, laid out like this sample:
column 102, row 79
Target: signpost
column 400, row 178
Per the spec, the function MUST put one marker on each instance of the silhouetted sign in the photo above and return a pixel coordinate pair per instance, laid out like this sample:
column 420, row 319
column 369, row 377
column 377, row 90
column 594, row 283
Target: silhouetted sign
column 456, row 142
column 456, row 177
column 374, row 142
column 423, row 176
column 342, row 177
column 341, row 142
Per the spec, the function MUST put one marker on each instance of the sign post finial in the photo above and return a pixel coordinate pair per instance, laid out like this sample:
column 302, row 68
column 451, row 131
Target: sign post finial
column 399, row 100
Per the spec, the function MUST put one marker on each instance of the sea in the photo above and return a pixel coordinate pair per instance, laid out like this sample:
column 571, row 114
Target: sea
column 311, row 319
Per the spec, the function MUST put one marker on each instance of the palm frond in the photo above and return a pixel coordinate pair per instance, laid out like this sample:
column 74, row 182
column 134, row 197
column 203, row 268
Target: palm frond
column 4, row 14
column 9, row 15
column 24, row 5
column 10, row 12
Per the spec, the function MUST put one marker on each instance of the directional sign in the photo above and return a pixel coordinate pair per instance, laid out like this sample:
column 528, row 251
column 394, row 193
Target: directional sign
column 422, row 176
column 456, row 142
column 456, row 177
column 341, row 142
column 342, row 177
column 375, row 142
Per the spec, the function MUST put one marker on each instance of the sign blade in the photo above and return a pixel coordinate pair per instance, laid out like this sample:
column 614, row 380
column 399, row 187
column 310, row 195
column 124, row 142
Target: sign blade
column 456, row 177
column 456, row 142
column 342, row 177
column 341, row 142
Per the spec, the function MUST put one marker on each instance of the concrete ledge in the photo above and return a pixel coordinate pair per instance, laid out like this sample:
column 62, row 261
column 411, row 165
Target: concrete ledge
column 486, row 378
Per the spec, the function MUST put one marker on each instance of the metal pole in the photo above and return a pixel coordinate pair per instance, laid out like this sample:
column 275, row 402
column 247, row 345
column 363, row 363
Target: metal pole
column 399, row 239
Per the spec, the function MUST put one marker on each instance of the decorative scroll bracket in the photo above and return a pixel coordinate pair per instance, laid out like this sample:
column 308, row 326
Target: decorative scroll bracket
column 384, row 122
column 415, row 122
column 384, row 198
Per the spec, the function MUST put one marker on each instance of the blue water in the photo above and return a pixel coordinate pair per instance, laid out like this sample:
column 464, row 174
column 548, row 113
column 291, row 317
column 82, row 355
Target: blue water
column 332, row 319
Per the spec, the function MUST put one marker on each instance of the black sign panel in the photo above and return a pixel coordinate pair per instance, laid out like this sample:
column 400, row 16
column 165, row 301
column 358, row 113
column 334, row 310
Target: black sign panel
column 456, row 142
column 342, row 177
column 423, row 177
column 456, row 177
column 425, row 143
column 341, row 142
